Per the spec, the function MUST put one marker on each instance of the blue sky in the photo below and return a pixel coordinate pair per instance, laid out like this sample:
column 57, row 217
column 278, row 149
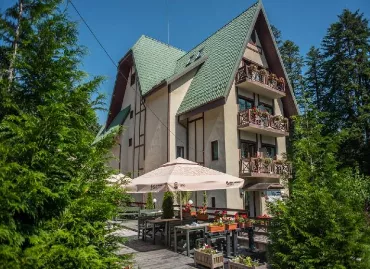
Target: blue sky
column 119, row 23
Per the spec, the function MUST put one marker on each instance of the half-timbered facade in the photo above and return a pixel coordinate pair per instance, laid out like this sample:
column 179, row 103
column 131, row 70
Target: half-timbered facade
column 225, row 104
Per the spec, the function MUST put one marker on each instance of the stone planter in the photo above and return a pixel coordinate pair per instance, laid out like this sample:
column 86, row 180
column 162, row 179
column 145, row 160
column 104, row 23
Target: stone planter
column 215, row 229
column 208, row 260
column 236, row 265
column 231, row 227
column 203, row 217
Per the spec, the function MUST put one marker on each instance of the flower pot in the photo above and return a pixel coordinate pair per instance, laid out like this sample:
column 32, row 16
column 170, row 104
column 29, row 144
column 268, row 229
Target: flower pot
column 215, row 229
column 203, row 217
column 241, row 225
column 231, row 227
column 193, row 213
column 236, row 265
column 186, row 215
column 208, row 260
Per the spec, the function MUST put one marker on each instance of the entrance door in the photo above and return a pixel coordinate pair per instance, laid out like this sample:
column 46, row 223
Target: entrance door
column 248, row 149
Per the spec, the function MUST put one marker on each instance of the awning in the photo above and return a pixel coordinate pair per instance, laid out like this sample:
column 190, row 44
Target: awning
column 263, row 186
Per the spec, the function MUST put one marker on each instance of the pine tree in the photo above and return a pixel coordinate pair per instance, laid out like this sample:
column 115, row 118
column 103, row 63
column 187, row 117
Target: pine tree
column 314, row 76
column 346, row 67
column 167, row 205
column 149, row 201
column 322, row 224
column 54, row 198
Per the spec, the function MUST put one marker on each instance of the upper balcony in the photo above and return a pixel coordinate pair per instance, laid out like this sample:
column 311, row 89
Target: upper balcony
column 264, row 168
column 260, row 81
column 261, row 122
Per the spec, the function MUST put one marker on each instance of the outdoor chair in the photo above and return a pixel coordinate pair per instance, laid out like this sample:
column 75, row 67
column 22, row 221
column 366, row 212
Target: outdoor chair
column 141, row 221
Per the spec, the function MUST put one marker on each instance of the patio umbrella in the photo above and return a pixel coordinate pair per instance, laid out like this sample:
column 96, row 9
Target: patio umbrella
column 183, row 175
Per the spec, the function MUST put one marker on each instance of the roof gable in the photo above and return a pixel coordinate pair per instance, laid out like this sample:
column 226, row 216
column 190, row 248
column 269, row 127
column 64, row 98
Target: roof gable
column 154, row 62
column 224, row 50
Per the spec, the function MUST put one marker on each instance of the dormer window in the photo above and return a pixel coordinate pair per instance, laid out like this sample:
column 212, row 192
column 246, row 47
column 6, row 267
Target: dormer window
column 200, row 52
column 190, row 60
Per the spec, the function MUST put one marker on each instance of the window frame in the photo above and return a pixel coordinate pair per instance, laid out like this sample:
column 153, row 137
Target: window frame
column 250, row 142
column 251, row 100
column 268, row 106
column 214, row 158
column 199, row 54
column 266, row 145
column 213, row 201
column 190, row 60
column 132, row 79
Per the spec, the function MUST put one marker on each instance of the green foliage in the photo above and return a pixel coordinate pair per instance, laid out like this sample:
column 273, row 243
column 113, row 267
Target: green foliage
column 167, row 205
column 185, row 197
column 322, row 224
column 54, row 200
column 149, row 201
column 205, row 199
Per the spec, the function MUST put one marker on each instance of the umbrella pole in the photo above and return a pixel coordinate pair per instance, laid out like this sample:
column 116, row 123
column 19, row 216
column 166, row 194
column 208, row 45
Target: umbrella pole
column 180, row 206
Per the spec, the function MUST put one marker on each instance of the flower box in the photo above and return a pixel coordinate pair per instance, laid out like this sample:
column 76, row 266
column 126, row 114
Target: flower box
column 231, row 227
column 203, row 217
column 208, row 260
column 216, row 228
column 236, row 265
column 241, row 225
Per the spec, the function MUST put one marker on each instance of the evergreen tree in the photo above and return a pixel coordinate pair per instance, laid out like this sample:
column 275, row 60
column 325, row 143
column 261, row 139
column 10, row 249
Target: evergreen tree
column 346, row 49
column 322, row 224
column 277, row 35
column 167, row 205
column 293, row 63
column 149, row 201
column 54, row 200
column 314, row 76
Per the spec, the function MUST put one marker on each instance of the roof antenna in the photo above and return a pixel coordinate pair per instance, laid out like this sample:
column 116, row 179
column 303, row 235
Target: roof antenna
column 168, row 23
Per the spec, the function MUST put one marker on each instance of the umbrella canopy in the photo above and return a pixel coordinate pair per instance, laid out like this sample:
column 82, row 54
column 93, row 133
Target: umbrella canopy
column 183, row 175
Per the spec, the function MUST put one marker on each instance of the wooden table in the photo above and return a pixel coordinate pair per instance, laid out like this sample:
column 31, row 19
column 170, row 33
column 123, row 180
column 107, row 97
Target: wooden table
column 159, row 221
column 188, row 229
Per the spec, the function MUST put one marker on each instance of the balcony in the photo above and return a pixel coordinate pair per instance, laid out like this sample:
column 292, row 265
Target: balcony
column 260, row 81
column 264, row 168
column 261, row 122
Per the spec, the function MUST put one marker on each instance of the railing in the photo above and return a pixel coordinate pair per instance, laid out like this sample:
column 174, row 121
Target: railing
column 265, row 166
column 264, row 119
column 261, row 75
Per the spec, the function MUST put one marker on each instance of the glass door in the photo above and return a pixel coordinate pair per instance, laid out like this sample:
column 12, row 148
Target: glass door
column 248, row 149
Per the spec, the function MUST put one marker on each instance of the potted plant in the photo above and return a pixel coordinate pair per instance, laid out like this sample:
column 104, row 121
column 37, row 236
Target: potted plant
column 202, row 213
column 167, row 205
column 253, row 69
column 208, row 257
column 230, row 224
column 186, row 211
column 241, row 220
column 220, row 214
column 273, row 80
column 282, row 84
column 241, row 262
column 264, row 74
column 217, row 226
column 249, row 223
column 264, row 219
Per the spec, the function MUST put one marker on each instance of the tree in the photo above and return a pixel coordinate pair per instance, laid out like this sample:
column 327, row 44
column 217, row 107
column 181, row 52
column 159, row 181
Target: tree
column 322, row 224
column 346, row 67
column 149, row 201
column 277, row 35
column 54, row 200
column 167, row 205
column 293, row 63
column 314, row 76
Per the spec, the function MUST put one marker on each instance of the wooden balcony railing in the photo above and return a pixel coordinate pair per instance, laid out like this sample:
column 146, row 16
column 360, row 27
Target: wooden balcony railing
column 265, row 166
column 264, row 119
column 253, row 73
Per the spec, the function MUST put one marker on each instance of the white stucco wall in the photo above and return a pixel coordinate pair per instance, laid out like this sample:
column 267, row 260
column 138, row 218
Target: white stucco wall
column 155, row 131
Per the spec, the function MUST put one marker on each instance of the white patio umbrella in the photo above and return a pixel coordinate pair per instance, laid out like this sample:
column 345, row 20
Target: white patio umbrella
column 183, row 175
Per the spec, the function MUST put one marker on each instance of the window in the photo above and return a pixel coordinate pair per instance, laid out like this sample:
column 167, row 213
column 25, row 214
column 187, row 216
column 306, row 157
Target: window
column 190, row 60
column 248, row 149
column 199, row 54
column 132, row 79
column 265, row 107
column 270, row 150
column 213, row 202
column 253, row 37
column 245, row 104
column 180, row 152
column 130, row 142
column 131, row 114
column 214, row 146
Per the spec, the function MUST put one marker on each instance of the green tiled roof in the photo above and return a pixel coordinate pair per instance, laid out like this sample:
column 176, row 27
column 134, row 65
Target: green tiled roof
column 154, row 61
column 117, row 121
column 224, row 50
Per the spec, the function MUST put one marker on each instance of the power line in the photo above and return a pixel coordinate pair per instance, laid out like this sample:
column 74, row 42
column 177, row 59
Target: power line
column 114, row 63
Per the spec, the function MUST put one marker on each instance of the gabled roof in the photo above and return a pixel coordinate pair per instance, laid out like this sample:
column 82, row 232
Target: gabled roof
column 154, row 62
column 224, row 50
column 115, row 124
